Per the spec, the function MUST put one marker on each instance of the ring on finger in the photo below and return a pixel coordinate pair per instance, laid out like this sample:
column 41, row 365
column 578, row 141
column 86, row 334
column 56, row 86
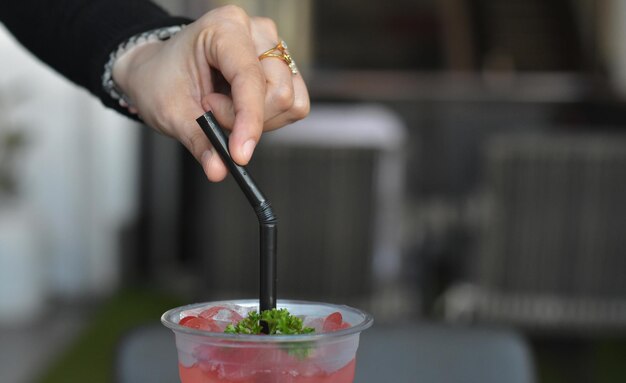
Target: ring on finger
column 280, row 51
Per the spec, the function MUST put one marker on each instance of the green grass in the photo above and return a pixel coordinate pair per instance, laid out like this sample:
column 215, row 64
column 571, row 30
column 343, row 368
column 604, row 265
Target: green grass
column 580, row 361
column 91, row 357
column 609, row 361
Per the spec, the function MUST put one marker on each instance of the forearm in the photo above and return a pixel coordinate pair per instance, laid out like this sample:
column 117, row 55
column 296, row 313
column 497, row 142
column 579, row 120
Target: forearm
column 75, row 37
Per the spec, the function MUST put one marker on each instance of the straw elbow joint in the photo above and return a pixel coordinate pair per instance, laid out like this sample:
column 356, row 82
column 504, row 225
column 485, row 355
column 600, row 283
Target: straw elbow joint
column 265, row 213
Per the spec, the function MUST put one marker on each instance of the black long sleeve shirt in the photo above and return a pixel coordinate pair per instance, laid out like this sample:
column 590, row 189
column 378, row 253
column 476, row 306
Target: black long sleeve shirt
column 75, row 37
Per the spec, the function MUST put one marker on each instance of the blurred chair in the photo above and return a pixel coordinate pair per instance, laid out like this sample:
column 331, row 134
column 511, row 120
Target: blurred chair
column 552, row 252
column 401, row 354
column 435, row 353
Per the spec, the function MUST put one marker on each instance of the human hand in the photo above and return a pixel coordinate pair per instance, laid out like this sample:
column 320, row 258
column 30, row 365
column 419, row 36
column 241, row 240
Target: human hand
column 213, row 65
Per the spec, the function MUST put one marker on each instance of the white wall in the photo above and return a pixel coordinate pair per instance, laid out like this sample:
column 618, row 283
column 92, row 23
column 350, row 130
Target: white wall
column 79, row 173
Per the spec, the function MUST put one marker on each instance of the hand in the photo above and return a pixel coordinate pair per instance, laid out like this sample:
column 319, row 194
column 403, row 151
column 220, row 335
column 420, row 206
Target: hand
column 212, row 64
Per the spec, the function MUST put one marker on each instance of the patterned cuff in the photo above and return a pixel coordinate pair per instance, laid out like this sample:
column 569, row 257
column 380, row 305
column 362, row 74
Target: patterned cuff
column 159, row 34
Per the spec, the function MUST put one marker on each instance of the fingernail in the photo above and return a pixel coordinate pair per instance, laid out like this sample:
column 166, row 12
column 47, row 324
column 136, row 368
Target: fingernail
column 248, row 148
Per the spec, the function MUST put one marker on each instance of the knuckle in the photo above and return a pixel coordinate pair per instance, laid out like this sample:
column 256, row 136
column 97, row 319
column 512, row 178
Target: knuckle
column 300, row 109
column 283, row 97
column 267, row 25
column 235, row 13
column 219, row 41
column 252, row 73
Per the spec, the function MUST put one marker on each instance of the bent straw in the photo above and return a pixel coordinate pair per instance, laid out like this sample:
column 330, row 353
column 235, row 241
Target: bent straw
column 262, row 208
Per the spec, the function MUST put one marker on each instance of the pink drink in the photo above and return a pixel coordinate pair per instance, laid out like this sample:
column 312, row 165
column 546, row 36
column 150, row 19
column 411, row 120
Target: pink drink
column 196, row 374
column 208, row 355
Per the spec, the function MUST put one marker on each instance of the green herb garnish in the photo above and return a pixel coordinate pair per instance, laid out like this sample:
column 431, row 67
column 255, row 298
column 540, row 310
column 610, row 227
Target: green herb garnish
column 279, row 322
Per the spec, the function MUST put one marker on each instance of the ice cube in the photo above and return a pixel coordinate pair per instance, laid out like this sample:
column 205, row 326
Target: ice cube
column 316, row 323
column 225, row 314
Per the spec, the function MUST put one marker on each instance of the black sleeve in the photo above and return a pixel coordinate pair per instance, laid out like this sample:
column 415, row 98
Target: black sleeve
column 75, row 37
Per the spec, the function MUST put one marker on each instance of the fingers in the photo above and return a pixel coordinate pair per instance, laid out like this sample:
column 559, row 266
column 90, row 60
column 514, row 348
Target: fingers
column 286, row 98
column 172, row 112
column 197, row 143
column 213, row 165
column 222, row 107
column 263, row 95
column 279, row 96
column 230, row 49
column 299, row 109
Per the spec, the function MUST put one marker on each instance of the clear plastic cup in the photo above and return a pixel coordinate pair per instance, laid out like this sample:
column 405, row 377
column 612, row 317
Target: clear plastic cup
column 319, row 357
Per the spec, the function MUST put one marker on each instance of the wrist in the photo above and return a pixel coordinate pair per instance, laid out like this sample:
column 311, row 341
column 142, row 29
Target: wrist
column 129, row 63
column 131, row 49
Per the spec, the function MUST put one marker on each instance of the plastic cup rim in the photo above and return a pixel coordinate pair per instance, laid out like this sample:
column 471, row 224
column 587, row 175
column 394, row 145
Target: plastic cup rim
column 367, row 322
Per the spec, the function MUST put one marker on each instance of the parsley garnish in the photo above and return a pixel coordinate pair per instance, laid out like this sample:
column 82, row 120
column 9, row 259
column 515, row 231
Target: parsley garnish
column 279, row 322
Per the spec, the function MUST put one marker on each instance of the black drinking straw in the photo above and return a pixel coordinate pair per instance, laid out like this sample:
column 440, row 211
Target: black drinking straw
column 262, row 208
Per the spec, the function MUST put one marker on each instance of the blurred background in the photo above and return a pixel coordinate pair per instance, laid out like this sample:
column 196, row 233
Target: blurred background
column 464, row 165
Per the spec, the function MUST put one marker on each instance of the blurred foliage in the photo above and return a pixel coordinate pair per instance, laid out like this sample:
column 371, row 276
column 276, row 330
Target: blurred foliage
column 91, row 357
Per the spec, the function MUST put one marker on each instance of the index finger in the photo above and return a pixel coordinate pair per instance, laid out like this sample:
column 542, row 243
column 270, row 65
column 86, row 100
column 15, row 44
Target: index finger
column 231, row 51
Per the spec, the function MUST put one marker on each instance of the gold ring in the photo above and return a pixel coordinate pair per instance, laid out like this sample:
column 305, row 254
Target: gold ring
column 282, row 52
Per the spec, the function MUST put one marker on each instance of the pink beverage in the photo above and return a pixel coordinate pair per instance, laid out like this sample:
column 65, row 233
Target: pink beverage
column 208, row 355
